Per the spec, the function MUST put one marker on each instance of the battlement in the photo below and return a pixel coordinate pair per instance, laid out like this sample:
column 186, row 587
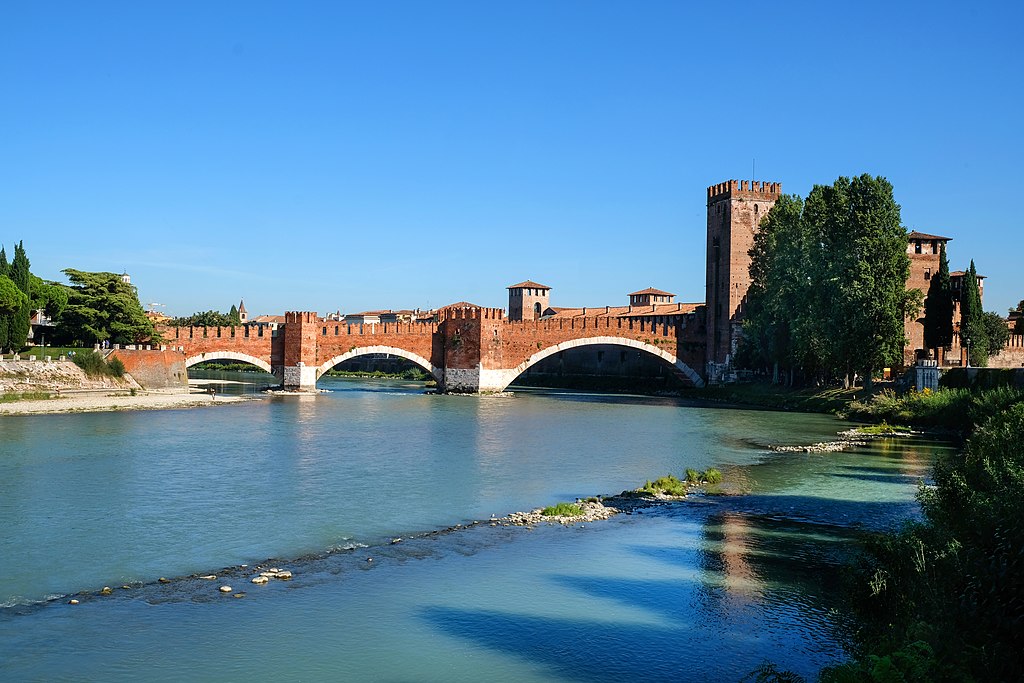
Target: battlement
column 470, row 313
column 300, row 317
column 744, row 189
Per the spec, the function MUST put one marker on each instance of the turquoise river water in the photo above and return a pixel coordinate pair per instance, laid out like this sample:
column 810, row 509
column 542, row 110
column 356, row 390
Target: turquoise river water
column 706, row 589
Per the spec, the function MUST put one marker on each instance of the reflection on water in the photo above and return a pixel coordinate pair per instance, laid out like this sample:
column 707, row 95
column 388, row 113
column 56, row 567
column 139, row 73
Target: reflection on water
column 703, row 590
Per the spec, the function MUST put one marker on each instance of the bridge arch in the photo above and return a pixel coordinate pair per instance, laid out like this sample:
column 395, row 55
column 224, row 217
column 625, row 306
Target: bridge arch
column 228, row 355
column 679, row 366
column 415, row 358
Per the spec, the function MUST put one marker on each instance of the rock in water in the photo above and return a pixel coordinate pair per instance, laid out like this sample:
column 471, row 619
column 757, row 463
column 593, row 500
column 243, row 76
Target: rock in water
column 260, row 579
column 225, row 589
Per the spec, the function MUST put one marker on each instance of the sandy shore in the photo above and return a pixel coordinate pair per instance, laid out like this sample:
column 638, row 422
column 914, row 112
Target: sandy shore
column 98, row 401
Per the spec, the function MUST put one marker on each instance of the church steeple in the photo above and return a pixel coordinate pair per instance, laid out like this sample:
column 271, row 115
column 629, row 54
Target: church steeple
column 243, row 315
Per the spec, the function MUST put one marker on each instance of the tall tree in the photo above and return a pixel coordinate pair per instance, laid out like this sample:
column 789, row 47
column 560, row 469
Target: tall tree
column 234, row 315
column 101, row 306
column 20, row 321
column 5, row 317
column 996, row 331
column 938, row 307
column 973, row 334
column 828, row 280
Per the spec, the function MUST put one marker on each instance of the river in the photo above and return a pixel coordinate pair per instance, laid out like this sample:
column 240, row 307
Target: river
column 703, row 590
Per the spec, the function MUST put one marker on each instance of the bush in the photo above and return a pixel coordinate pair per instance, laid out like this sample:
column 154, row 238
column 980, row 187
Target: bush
column 667, row 485
column 95, row 365
column 712, row 476
column 958, row 409
column 562, row 510
column 692, row 476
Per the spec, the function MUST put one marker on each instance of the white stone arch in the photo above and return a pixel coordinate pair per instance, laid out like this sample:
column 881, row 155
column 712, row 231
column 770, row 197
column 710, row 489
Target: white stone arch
column 393, row 350
column 228, row 355
column 679, row 366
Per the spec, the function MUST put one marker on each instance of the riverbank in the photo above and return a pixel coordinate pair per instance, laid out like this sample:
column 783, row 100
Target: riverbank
column 104, row 400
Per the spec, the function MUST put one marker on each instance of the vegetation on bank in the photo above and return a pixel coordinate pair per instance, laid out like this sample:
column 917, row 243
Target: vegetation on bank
column 944, row 598
column 956, row 410
column 562, row 510
column 410, row 374
column 670, row 485
column 95, row 365
column 13, row 396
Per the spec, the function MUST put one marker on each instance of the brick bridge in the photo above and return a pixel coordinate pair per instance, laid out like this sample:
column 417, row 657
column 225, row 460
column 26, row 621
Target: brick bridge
column 467, row 350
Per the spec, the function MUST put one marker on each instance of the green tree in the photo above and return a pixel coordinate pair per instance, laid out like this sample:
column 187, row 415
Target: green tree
column 12, row 299
column 20, row 321
column 48, row 296
column 234, row 315
column 206, row 319
column 996, row 331
column 5, row 318
column 101, row 307
column 973, row 333
column 938, row 307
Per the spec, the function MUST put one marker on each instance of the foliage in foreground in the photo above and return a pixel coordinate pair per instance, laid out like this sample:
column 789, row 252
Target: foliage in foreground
column 944, row 599
column 562, row 510
column 101, row 307
column 957, row 409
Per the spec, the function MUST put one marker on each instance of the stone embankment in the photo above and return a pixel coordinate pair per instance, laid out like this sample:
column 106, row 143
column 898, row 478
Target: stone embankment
column 25, row 376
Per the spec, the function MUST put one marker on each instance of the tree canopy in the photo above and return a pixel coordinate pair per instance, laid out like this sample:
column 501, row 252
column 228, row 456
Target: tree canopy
column 101, row 307
column 208, row 319
column 973, row 332
column 828, row 289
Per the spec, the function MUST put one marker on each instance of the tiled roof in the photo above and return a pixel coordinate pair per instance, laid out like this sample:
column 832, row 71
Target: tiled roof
column 652, row 290
column 460, row 304
column 528, row 283
column 915, row 235
column 961, row 273
column 624, row 311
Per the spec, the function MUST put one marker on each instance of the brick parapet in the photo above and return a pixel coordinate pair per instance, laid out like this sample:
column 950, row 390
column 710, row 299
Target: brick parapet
column 744, row 189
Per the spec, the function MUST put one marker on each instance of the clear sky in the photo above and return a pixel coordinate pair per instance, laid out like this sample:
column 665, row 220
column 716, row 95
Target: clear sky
column 363, row 155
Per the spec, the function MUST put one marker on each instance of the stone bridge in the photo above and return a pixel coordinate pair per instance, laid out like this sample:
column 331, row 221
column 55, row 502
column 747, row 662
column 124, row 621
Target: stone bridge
column 467, row 350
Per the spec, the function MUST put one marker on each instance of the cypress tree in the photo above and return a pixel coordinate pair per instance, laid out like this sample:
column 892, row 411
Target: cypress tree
column 20, row 321
column 938, row 307
column 5, row 320
column 972, row 319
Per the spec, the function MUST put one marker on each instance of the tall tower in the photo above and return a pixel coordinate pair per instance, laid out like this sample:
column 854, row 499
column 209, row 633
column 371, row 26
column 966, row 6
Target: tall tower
column 527, row 300
column 735, row 210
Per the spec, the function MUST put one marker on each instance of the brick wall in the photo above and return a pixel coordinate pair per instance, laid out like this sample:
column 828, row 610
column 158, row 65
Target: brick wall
column 154, row 369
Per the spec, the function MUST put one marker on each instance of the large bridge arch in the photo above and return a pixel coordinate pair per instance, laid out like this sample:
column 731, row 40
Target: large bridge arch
column 415, row 358
column 679, row 366
column 228, row 355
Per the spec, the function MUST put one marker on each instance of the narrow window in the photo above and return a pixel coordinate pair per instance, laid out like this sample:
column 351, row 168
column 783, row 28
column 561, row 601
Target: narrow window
column 917, row 247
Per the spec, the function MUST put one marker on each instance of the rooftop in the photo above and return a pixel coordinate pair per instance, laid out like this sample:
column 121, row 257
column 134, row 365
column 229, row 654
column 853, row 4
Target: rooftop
column 915, row 235
column 652, row 290
column 528, row 283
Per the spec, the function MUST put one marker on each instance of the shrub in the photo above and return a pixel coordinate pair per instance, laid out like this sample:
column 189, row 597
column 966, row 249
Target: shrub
column 667, row 485
column 562, row 510
column 95, row 365
column 712, row 476
column 692, row 476
column 116, row 367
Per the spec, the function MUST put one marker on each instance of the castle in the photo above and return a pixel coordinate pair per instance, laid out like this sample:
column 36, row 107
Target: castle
column 735, row 209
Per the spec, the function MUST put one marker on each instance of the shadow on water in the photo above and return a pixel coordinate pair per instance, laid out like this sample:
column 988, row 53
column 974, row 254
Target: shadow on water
column 743, row 589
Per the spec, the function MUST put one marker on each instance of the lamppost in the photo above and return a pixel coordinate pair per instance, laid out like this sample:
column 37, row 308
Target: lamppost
column 968, row 340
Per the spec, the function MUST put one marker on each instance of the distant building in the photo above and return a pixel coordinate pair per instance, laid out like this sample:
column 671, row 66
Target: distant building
column 243, row 315
column 527, row 300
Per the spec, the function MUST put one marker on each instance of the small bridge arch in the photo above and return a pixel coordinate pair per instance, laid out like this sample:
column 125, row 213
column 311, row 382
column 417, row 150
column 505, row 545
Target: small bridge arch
column 415, row 358
column 228, row 355
column 681, row 368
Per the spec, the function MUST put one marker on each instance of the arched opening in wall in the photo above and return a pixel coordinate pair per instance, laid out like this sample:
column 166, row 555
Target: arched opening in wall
column 602, row 367
column 537, row 311
column 383, row 366
column 232, row 374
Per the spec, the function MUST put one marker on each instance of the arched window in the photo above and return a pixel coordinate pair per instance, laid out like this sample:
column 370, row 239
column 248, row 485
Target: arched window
column 536, row 310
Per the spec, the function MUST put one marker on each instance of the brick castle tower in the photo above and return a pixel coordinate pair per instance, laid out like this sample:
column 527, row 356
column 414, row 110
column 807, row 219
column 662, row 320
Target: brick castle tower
column 528, row 300
column 735, row 210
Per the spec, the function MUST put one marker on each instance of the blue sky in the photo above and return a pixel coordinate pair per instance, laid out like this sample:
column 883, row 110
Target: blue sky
column 353, row 156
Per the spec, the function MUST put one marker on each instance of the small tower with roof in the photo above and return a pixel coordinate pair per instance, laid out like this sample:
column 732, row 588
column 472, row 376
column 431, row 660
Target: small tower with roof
column 528, row 300
column 243, row 315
